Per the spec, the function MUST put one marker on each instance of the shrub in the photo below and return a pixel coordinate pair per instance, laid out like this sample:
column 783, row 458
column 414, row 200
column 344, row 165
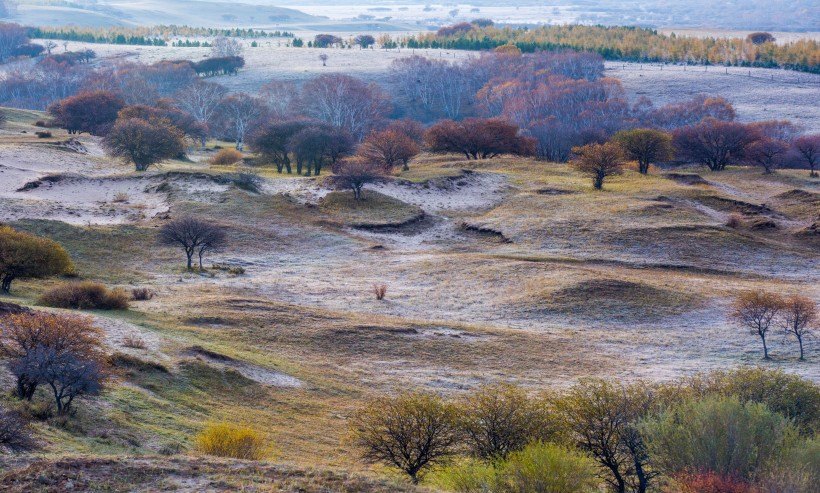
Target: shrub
column 41, row 124
column 547, row 468
column 234, row 441
column 85, row 295
column 797, row 471
column 226, row 157
column 467, row 476
column 246, row 179
column 64, row 352
column 43, row 135
column 23, row 255
column 721, row 435
column 14, row 433
column 538, row 468
column 790, row 395
column 380, row 290
column 709, row 482
column 734, row 221
column 141, row 294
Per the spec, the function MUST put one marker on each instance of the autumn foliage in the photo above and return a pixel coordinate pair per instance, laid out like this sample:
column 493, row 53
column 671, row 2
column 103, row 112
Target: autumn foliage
column 61, row 352
column 388, row 148
column 599, row 161
column 91, row 112
column 478, row 138
column 144, row 143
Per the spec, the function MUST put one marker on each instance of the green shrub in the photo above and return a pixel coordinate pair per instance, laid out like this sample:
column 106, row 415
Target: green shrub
column 85, row 295
column 537, row 468
column 234, row 441
column 547, row 468
column 790, row 395
column 717, row 434
column 467, row 476
column 796, row 471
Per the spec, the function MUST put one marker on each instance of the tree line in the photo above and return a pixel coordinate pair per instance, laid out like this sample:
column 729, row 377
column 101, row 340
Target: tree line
column 627, row 43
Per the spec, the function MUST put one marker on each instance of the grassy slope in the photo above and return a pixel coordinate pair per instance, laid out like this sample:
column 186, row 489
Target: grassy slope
column 595, row 279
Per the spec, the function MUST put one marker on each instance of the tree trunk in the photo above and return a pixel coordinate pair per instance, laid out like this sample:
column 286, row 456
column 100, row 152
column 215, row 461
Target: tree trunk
column 800, row 341
column 598, row 183
column 765, row 348
column 5, row 285
column 190, row 260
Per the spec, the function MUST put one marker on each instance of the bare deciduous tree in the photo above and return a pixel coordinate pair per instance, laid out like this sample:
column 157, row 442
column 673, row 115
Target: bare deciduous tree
column 345, row 102
column 225, row 47
column 756, row 311
column 808, row 146
column 239, row 113
column 201, row 101
column 411, row 432
column 799, row 316
column 195, row 236
column 354, row 173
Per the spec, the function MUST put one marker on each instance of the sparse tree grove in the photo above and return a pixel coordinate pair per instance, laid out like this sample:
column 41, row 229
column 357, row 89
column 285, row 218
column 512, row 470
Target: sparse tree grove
column 627, row 437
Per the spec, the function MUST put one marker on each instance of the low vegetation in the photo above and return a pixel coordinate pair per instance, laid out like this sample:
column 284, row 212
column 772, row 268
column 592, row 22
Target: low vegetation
column 85, row 295
column 232, row 441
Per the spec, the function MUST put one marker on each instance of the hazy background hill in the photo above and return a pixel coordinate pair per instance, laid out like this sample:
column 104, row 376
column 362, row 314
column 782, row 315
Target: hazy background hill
column 774, row 15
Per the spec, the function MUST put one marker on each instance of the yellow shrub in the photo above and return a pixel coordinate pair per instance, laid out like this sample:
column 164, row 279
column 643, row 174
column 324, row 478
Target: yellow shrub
column 226, row 157
column 234, row 441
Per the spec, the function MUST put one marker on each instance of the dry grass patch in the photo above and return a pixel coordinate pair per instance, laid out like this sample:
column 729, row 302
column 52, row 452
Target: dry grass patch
column 373, row 211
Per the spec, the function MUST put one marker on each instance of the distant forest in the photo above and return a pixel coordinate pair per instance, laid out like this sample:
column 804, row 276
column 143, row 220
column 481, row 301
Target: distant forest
column 626, row 43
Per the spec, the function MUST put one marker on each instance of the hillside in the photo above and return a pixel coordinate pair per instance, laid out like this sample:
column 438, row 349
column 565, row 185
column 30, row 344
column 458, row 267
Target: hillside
column 147, row 13
column 499, row 270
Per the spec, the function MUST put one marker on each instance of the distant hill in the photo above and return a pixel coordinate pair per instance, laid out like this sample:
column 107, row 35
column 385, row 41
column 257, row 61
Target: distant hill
column 151, row 12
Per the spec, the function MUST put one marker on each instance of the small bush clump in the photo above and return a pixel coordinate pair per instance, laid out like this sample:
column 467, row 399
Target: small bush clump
column 246, row 179
column 226, row 157
column 380, row 290
column 43, row 135
column 141, row 294
column 14, row 433
column 133, row 342
column 734, row 221
column 233, row 441
column 120, row 197
column 85, row 295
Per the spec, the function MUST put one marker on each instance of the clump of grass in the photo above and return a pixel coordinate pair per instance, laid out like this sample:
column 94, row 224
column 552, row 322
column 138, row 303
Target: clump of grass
column 85, row 295
column 380, row 290
column 236, row 271
column 233, row 441
column 133, row 342
column 141, row 294
column 120, row 197
column 226, row 157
